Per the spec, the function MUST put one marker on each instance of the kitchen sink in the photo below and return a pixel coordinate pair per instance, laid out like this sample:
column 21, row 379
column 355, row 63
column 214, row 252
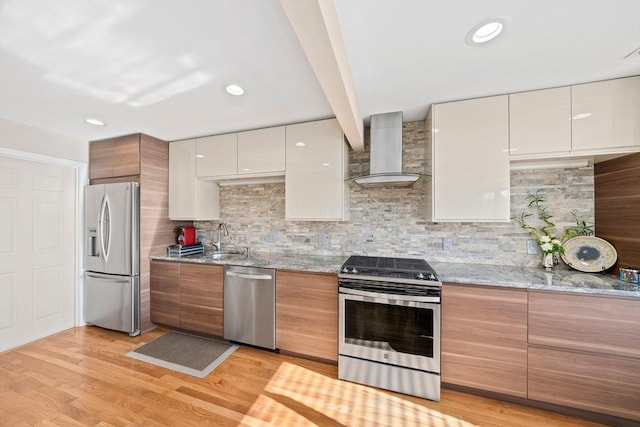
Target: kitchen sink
column 230, row 254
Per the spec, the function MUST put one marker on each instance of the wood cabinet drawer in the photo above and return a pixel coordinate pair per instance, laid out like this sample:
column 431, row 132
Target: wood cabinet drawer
column 597, row 383
column 596, row 324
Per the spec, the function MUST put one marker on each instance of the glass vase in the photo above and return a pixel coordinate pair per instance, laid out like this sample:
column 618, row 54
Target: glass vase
column 548, row 261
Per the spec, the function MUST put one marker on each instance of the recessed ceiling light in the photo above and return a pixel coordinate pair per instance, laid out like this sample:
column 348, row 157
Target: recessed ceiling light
column 235, row 90
column 486, row 31
column 95, row 122
column 300, row 144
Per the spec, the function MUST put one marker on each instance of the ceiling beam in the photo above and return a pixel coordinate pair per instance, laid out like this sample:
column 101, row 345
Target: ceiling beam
column 316, row 24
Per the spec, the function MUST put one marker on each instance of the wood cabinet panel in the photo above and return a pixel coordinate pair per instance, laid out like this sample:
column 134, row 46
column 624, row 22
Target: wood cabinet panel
column 114, row 157
column 617, row 207
column 126, row 155
column 484, row 338
column 307, row 314
column 100, row 159
column 596, row 324
column 599, row 383
column 165, row 293
column 201, row 304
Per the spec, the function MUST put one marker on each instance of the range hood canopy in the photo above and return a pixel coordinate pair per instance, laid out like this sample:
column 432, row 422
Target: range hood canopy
column 385, row 166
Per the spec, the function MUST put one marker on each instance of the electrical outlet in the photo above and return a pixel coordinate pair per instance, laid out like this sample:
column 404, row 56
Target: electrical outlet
column 447, row 244
column 272, row 237
column 532, row 247
column 322, row 239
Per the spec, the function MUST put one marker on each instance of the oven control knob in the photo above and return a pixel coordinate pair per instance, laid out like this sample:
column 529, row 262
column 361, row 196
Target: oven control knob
column 354, row 271
column 345, row 270
column 421, row 276
column 432, row 277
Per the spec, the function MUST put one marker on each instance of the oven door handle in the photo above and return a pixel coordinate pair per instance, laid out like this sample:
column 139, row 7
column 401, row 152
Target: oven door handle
column 359, row 295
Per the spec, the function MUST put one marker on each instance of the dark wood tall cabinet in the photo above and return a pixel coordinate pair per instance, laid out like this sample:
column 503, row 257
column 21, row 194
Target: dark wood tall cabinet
column 144, row 159
column 617, row 207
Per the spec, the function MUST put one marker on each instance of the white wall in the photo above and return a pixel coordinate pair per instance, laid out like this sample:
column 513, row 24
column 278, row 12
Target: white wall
column 21, row 137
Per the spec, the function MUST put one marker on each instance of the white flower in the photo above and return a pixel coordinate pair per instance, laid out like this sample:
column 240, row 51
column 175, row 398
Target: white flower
column 546, row 247
column 556, row 242
column 545, row 239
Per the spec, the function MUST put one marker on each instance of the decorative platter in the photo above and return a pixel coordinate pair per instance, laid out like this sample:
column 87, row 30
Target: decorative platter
column 589, row 254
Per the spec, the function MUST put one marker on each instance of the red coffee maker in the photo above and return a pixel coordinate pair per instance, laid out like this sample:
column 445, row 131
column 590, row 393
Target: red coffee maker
column 187, row 235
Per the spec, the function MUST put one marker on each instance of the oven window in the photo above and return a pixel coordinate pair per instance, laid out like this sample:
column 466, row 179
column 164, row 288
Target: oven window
column 389, row 327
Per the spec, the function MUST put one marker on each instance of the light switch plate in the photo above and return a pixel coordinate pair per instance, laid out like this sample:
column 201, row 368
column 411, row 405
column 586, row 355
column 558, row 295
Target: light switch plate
column 532, row 247
column 447, row 244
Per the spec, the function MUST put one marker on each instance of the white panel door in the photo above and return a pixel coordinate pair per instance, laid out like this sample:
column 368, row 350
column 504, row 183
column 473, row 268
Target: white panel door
column 37, row 250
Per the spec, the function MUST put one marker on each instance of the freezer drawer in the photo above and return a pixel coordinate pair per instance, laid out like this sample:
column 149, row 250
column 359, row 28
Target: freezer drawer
column 112, row 302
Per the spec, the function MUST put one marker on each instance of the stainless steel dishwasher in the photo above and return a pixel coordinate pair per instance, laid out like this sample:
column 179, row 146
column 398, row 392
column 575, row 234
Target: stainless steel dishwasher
column 250, row 305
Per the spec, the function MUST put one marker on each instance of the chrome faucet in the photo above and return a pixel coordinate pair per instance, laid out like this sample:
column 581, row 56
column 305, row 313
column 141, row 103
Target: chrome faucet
column 222, row 228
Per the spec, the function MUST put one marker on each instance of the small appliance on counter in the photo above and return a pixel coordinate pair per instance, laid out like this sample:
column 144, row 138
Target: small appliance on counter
column 183, row 250
column 187, row 236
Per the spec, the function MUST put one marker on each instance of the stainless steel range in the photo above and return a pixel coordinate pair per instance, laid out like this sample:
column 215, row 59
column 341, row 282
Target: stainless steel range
column 389, row 326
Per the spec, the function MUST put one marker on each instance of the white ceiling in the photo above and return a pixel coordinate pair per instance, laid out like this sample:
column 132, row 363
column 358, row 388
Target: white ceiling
column 160, row 67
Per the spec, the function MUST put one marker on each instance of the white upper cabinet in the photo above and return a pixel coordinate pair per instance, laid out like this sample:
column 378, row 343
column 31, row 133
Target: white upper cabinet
column 189, row 198
column 255, row 153
column 606, row 116
column 469, row 159
column 217, row 155
column 316, row 168
column 261, row 151
column 539, row 123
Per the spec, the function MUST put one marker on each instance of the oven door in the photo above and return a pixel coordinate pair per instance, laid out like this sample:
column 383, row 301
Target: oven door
column 396, row 332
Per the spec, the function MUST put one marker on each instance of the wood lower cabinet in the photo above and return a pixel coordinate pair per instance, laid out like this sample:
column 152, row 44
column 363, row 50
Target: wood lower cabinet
column 201, row 308
column 484, row 338
column 187, row 296
column 165, row 293
column 307, row 314
column 584, row 352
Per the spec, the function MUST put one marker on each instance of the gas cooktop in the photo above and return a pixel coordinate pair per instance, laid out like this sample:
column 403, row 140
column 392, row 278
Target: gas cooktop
column 382, row 267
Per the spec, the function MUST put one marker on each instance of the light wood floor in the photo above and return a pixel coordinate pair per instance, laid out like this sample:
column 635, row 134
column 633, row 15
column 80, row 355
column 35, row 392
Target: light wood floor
column 82, row 377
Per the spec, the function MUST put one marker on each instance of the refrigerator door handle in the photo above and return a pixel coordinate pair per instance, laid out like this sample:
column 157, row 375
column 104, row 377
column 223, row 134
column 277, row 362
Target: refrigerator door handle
column 105, row 228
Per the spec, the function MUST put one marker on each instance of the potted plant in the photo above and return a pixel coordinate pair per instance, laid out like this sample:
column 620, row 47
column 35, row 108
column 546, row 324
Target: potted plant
column 550, row 244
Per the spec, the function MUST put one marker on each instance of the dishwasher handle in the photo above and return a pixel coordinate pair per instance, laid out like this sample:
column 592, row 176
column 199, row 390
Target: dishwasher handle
column 249, row 276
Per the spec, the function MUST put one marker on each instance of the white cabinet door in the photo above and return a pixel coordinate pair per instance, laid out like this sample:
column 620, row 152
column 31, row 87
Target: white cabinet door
column 189, row 198
column 261, row 151
column 217, row 155
column 316, row 165
column 605, row 116
column 539, row 123
column 470, row 176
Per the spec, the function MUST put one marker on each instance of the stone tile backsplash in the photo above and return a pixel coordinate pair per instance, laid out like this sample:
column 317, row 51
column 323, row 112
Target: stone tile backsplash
column 390, row 221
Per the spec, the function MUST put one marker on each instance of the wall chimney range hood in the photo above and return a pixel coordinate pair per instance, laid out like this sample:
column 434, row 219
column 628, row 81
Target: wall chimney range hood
column 385, row 166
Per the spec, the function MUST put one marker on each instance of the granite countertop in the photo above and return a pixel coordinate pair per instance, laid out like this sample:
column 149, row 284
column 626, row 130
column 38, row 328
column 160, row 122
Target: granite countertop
column 561, row 278
column 310, row 263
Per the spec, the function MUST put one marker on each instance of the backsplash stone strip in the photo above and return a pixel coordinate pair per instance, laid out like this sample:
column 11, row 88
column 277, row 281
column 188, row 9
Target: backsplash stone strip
column 391, row 221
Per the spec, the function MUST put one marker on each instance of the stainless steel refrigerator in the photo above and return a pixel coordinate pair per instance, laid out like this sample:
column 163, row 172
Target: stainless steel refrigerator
column 112, row 256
